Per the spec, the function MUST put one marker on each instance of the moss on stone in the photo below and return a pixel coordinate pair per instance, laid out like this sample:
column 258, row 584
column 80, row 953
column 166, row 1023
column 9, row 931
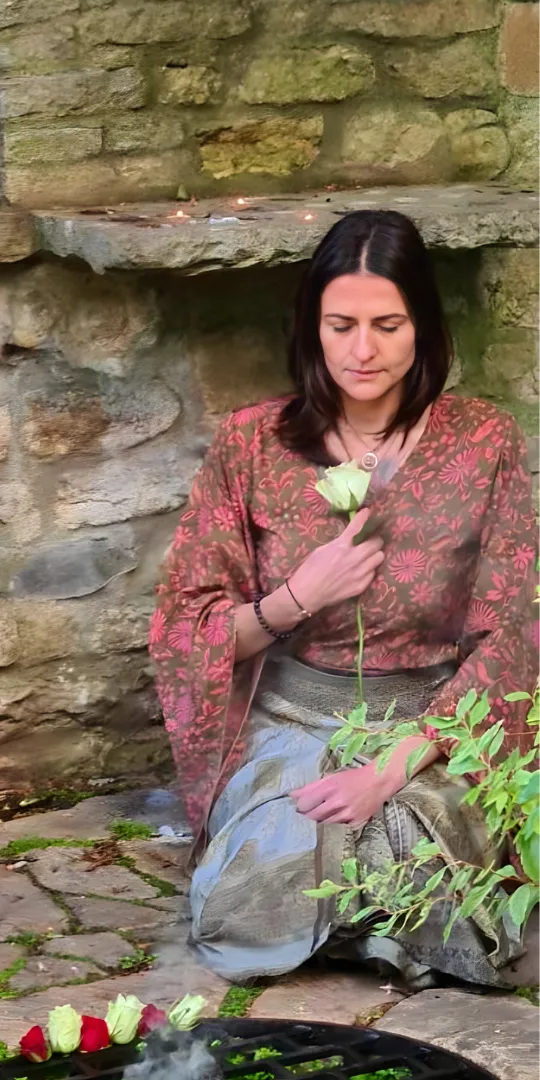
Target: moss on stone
column 238, row 1000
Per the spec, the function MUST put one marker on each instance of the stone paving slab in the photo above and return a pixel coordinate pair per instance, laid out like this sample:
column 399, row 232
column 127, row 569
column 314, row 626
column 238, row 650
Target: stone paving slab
column 104, row 949
column 92, row 818
column 164, row 860
column 282, row 228
column 95, row 914
column 333, row 997
column 8, row 955
column 499, row 1032
column 25, row 907
column 42, row 971
column 65, row 870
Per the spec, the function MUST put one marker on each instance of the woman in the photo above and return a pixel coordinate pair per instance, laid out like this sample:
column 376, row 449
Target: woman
column 255, row 638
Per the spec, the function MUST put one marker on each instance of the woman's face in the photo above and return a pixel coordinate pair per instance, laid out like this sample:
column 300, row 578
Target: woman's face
column 367, row 336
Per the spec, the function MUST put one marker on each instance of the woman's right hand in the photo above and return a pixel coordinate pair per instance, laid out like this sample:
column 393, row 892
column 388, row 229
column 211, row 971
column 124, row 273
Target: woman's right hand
column 338, row 570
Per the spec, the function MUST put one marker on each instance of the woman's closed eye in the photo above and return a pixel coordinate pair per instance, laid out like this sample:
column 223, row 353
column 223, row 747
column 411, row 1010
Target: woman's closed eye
column 385, row 329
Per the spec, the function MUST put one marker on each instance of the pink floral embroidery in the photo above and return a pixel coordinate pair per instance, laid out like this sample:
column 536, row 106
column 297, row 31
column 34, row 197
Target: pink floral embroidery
column 407, row 565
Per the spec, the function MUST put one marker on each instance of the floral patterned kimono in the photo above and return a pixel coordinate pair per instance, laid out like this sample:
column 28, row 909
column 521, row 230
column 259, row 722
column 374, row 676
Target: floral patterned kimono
column 449, row 609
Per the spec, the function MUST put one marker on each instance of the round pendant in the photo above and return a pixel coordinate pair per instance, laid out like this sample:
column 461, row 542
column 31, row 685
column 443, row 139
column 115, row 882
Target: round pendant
column 370, row 461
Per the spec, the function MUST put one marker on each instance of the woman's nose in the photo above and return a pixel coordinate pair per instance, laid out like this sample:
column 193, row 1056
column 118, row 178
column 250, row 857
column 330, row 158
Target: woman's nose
column 363, row 345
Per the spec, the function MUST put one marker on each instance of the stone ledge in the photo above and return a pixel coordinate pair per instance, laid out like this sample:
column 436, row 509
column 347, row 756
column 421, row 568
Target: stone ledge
column 216, row 234
column 18, row 237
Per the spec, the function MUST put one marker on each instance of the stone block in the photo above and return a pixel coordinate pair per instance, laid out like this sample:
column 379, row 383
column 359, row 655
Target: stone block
column 330, row 998
column 518, row 45
column 498, row 1032
column 194, row 84
column 27, row 12
column 163, row 860
column 521, row 120
column 110, row 57
column 76, row 567
column 512, row 365
column 276, row 147
column 92, row 818
column 118, row 629
column 42, row 971
column 396, row 142
column 18, row 237
column 70, row 411
column 234, row 368
column 96, row 914
column 5, row 432
column 10, row 953
column 86, row 91
column 151, row 22
column 479, row 146
column 297, row 75
column 66, row 870
column 26, row 908
column 412, row 18
column 46, row 631
column 461, row 69
column 9, row 636
column 142, row 131
column 32, row 145
column 105, row 949
column 15, row 500
column 114, row 179
column 509, row 286
column 39, row 49
column 150, row 480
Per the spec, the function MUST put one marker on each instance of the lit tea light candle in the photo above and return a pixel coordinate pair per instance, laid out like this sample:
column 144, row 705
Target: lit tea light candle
column 309, row 217
column 241, row 202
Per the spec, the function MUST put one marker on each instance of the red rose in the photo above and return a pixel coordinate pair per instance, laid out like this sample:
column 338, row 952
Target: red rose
column 94, row 1035
column 34, row 1045
column 151, row 1017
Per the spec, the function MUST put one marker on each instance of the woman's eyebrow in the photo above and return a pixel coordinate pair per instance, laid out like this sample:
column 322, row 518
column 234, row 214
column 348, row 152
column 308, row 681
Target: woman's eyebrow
column 376, row 318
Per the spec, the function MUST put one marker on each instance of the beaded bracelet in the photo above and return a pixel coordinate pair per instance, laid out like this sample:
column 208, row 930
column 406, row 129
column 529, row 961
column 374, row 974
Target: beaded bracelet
column 279, row 635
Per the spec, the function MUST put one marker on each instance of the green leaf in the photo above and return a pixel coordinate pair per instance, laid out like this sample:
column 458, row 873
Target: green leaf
column 415, row 758
column 480, row 710
column 528, row 852
column 532, row 790
column 350, row 870
column 498, row 740
column 390, row 711
column 475, row 898
column 339, row 738
column 346, row 899
column 353, row 747
column 441, row 722
column 364, row 912
column 426, row 847
column 434, row 881
column 457, row 767
column 466, row 703
column 326, row 889
column 472, row 795
column 506, row 871
column 448, row 928
column 522, row 902
column 486, row 738
column 518, row 695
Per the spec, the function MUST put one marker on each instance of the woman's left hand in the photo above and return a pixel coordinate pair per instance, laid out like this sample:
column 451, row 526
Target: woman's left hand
column 350, row 796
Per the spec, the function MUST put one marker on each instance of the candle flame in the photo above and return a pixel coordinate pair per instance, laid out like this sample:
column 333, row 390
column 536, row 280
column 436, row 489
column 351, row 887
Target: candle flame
column 180, row 213
column 308, row 217
column 240, row 202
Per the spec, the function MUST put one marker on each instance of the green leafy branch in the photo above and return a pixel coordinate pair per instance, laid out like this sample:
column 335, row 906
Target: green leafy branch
column 508, row 792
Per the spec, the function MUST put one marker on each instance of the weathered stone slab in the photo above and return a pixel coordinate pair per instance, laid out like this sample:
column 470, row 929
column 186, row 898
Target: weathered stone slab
column 194, row 84
column 42, row 971
column 324, row 74
column 62, row 93
column 18, row 237
column 459, row 69
column 30, row 11
column 518, row 48
column 479, row 145
column 92, row 818
column 413, row 18
column 9, row 637
column 65, row 870
column 150, row 130
column 396, row 141
column 276, row 147
column 149, row 22
column 10, row 953
column 32, row 145
column 25, row 907
column 500, row 1033
column 280, row 230
column 164, row 860
column 96, row 914
column 74, row 568
column 106, row 949
column 333, row 998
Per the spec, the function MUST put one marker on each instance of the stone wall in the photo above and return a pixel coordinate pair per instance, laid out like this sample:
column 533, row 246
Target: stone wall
column 109, row 389
column 121, row 100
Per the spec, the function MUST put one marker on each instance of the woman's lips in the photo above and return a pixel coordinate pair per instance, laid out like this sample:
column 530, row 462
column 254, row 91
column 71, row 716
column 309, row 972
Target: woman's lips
column 363, row 374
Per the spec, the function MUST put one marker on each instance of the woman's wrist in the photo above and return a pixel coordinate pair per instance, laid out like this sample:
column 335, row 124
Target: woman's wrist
column 281, row 611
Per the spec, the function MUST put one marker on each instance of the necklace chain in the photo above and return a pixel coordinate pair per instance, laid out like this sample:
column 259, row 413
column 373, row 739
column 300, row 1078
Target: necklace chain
column 370, row 460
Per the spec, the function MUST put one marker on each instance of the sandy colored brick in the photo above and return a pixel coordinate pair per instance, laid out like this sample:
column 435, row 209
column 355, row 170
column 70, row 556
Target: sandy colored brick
column 519, row 48
column 33, row 145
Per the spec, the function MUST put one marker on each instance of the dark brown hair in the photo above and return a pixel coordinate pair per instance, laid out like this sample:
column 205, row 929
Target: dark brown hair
column 388, row 244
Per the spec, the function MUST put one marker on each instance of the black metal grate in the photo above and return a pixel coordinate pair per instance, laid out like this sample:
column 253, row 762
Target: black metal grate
column 344, row 1053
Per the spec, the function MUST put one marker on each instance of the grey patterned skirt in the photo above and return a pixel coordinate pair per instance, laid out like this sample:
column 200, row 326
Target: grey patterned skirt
column 250, row 915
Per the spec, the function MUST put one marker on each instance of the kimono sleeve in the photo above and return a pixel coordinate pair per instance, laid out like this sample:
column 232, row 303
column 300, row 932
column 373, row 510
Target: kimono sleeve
column 497, row 648
column 210, row 568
